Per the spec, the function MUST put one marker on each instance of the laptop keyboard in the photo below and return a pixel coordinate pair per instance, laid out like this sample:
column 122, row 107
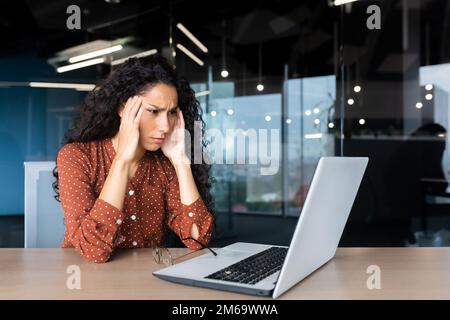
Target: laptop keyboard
column 254, row 268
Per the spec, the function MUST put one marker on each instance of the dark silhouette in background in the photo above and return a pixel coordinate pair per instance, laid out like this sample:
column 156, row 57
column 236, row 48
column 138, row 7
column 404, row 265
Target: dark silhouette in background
column 418, row 158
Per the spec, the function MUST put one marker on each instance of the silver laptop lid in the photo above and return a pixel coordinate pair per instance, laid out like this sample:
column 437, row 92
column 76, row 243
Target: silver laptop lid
column 323, row 218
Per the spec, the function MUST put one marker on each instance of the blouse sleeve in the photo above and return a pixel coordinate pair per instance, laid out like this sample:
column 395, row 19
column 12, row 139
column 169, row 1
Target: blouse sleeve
column 91, row 224
column 181, row 216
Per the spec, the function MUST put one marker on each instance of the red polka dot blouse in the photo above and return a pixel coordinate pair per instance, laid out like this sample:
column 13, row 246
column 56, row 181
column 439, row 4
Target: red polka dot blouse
column 152, row 202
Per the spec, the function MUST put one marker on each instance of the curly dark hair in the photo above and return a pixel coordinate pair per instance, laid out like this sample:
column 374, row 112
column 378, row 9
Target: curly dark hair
column 98, row 118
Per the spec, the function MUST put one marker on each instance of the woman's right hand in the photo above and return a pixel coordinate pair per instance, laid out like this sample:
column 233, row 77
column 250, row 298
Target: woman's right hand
column 128, row 136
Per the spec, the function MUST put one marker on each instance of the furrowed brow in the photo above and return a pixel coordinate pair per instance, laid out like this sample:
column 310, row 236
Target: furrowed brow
column 159, row 108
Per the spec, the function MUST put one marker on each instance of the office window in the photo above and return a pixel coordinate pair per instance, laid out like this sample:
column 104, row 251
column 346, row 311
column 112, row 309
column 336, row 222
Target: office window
column 310, row 133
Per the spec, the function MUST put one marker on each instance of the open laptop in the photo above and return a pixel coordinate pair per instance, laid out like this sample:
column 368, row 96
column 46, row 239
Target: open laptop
column 269, row 270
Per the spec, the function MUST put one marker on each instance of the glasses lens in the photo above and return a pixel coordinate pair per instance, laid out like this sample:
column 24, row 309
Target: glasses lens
column 156, row 254
column 166, row 257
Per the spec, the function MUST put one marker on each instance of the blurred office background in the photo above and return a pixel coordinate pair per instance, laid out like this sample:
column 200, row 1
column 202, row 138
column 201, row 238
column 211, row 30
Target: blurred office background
column 368, row 78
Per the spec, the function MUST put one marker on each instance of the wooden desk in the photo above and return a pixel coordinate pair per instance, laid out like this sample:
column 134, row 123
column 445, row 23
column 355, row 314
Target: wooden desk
column 406, row 273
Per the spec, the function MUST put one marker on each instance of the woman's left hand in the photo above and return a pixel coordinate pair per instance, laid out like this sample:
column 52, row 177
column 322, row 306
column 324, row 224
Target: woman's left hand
column 173, row 146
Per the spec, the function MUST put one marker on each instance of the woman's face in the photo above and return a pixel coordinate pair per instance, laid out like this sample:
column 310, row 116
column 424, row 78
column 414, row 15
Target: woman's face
column 160, row 103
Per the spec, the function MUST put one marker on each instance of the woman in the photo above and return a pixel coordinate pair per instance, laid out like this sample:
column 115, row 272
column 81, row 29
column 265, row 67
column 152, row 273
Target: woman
column 123, row 175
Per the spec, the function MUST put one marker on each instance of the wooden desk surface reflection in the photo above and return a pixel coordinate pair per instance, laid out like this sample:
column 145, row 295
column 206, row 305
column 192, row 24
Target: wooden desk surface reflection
column 406, row 273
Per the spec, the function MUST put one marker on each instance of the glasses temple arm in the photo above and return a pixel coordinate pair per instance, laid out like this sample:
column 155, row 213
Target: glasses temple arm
column 203, row 246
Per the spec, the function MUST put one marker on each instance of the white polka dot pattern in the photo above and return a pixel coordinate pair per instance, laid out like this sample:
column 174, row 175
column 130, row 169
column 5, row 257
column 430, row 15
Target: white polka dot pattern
column 96, row 228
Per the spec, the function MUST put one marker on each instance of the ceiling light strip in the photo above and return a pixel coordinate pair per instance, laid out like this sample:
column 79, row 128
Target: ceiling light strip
column 190, row 54
column 79, row 65
column 192, row 37
column 95, row 53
